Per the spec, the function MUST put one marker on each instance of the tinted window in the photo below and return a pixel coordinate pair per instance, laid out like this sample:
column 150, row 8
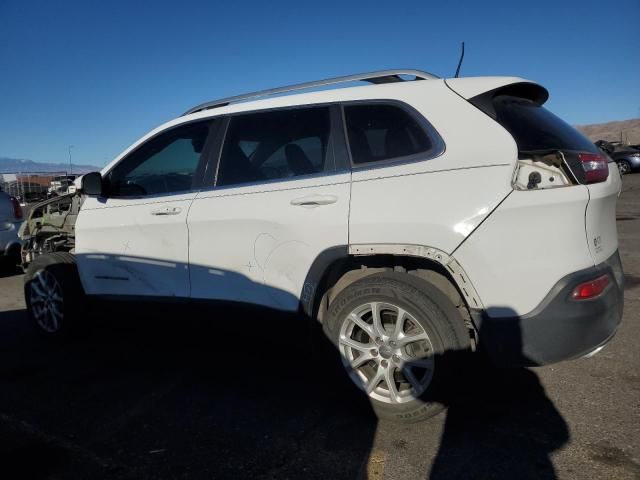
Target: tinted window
column 165, row 164
column 382, row 132
column 274, row 145
column 535, row 128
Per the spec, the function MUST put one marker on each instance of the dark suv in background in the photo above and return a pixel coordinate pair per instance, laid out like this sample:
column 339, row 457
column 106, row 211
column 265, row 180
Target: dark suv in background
column 627, row 157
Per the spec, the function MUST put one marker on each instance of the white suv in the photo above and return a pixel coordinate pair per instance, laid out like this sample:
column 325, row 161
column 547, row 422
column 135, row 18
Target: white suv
column 415, row 218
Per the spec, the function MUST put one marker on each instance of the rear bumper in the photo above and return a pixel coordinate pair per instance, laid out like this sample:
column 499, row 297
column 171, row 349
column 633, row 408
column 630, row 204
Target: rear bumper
column 559, row 328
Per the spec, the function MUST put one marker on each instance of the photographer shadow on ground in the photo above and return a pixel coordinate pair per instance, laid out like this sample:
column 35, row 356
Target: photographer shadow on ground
column 500, row 424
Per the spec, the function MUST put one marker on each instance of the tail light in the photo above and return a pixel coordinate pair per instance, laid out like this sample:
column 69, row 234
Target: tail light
column 17, row 209
column 596, row 167
column 591, row 289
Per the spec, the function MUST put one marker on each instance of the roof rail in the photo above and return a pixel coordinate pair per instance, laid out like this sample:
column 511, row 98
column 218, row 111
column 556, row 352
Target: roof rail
column 382, row 76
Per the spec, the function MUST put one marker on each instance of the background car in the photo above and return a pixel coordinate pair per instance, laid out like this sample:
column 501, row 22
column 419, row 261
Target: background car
column 10, row 220
column 60, row 185
column 627, row 157
column 32, row 197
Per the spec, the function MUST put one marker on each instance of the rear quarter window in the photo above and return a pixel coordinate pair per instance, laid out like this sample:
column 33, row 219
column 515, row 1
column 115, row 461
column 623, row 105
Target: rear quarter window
column 382, row 132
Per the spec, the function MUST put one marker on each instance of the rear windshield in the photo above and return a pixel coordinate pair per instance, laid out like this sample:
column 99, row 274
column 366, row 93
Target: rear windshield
column 535, row 128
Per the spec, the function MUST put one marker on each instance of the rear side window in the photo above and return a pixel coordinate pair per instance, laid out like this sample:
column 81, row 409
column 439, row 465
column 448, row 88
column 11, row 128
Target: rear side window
column 535, row 128
column 275, row 145
column 383, row 132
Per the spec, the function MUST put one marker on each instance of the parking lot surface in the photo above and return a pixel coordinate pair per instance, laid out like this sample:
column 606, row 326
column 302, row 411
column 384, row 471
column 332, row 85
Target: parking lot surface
column 176, row 392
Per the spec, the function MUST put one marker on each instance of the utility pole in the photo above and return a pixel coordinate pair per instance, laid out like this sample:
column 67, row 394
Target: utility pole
column 70, row 164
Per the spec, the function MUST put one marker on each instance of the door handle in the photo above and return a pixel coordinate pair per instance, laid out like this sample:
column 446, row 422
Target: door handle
column 166, row 211
column 314, row 200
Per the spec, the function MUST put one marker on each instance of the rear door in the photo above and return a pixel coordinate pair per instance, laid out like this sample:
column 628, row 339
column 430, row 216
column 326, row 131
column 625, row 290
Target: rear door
column 134, row 240
column 279, row 201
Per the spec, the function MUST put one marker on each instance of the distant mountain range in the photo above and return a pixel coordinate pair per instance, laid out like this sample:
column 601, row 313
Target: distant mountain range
column 626, row 131
column 16, row 165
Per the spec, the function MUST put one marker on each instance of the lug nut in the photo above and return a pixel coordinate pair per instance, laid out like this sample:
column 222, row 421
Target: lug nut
column 396, row 358
column 392, row 343
column 385, row 364
column 374, row 352
column 378, row 340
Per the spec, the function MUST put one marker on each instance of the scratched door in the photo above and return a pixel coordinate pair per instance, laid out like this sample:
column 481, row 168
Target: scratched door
column 252, row 245
column 277, row 204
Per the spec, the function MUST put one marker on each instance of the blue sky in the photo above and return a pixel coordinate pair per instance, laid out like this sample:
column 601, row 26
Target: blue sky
column 99, row 75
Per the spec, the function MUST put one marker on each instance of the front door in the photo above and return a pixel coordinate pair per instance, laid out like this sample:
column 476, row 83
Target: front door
column 134, row 240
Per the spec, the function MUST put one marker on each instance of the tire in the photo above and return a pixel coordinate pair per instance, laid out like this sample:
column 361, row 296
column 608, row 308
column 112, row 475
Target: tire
column 419, row 357
column 53, row 294
column 10, row 262
column 624, row 167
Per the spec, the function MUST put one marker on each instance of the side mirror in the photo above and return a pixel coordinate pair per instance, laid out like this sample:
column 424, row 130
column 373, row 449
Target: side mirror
column 92, row 184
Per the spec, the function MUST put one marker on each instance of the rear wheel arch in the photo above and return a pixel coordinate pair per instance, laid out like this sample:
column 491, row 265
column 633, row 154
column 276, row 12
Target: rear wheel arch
column 337, row 268
column 14, row 250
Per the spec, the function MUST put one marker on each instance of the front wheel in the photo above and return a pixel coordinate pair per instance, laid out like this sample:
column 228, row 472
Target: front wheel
column 399, row 338
column 53, row 293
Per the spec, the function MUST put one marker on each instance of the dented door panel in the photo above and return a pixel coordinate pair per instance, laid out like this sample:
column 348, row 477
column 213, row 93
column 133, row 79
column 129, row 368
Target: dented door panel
column 256, row 243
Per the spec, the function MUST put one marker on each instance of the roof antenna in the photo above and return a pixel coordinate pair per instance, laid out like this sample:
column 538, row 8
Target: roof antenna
column 460, row 62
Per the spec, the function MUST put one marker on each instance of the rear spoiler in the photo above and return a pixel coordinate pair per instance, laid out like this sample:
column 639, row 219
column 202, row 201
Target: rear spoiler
column 482, row 93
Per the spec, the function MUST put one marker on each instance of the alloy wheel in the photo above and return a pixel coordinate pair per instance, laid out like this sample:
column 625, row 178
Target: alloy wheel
column 46, row 300
column 623, row 167
column 387, row 353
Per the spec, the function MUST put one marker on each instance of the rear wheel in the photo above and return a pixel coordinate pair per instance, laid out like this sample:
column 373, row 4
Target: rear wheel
column 399, row 338
column 624, row 167
column 53, row 293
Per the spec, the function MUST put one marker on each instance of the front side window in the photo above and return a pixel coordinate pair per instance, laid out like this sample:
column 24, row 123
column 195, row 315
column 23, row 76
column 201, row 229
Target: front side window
column 275, row 145
column 383, row 132
column 165, row 164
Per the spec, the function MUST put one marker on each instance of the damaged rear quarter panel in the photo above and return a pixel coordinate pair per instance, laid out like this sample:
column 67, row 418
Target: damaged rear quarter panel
column 532, row 240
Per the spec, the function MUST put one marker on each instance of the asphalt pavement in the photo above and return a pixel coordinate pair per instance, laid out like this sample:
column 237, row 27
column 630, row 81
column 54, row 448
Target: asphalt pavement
column 175, row 392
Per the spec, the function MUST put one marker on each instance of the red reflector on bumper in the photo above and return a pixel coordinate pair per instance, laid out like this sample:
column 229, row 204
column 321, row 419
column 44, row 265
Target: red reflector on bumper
column 590, row 289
